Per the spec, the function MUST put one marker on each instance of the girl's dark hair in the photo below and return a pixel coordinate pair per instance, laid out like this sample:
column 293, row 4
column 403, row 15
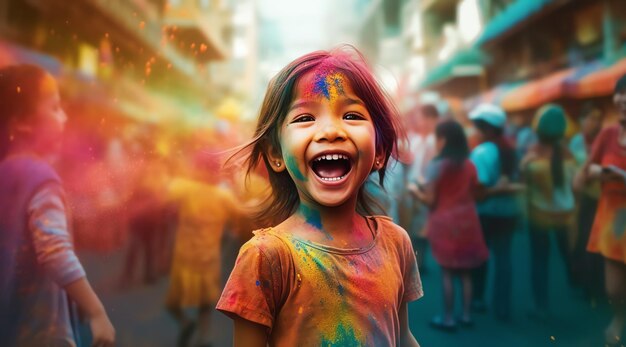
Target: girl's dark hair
column 556, row 160
column 508, row 157
column 20, row 88
column 280, row 92
column 456, row 148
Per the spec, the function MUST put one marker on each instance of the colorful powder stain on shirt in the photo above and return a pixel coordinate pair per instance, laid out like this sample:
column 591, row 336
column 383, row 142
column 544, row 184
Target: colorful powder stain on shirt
column 328, row 84
column 328, row 304
column 343, row 336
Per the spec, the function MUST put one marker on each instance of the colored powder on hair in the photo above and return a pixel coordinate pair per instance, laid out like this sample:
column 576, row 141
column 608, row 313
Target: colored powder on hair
column 328, row 84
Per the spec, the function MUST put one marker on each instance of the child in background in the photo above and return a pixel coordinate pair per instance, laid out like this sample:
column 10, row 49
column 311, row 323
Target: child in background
column 204, row 210
column 39, row 270
column 453, row 227
column 327, row 273
column 548, row 170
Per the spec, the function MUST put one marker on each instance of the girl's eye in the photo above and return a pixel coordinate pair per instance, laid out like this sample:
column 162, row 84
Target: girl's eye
column 353, row 116
column 303, row 118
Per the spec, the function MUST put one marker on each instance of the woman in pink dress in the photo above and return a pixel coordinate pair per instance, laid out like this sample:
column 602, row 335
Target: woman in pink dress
column 453, row 227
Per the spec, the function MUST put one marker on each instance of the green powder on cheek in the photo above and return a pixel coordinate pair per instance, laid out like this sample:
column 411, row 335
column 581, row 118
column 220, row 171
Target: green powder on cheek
column 290, row 161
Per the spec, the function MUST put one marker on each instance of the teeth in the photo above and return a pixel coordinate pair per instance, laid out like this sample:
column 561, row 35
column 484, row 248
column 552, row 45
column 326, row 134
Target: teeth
column 331, row 157
column 331, row 179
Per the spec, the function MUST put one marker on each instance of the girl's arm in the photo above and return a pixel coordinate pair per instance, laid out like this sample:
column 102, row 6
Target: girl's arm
column 249, row 334
column 426, row 194
column 101, row 328
column 55, row 254
column 406, row 337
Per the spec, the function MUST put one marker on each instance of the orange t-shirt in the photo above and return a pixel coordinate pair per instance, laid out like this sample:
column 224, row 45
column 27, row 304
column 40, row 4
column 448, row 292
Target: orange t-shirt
column 311, row 294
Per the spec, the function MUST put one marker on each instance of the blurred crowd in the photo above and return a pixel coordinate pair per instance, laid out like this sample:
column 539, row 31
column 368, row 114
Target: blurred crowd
column 463, row 182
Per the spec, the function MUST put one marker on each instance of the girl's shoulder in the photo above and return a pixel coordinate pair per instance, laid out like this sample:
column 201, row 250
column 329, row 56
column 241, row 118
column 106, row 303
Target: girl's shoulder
column 387, row 229
column 269, row 242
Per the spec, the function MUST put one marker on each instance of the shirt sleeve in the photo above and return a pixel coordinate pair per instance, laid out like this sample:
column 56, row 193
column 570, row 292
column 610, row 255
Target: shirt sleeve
column 485, row 159
column 410, row 272
column 253, row 289
column 47, row 221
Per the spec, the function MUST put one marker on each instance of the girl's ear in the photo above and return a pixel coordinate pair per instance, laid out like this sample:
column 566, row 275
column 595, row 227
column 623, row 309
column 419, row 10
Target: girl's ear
column 379, row 162
column 275, row 159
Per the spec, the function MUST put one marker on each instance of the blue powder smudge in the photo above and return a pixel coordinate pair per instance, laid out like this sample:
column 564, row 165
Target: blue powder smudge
column 341, row 290
column 258, row 283
column 313, row 218
column 321, row 86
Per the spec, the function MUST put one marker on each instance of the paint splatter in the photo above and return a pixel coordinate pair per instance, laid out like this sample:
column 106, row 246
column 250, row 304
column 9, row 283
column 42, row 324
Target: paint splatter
column 343, row 336
column 313, row 218
column 327, row 83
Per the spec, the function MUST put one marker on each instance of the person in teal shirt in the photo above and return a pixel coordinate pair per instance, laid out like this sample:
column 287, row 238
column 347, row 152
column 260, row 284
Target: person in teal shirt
column 498, row 207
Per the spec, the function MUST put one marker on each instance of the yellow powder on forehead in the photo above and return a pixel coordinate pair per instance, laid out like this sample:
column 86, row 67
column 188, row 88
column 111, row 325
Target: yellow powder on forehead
column 328, row 84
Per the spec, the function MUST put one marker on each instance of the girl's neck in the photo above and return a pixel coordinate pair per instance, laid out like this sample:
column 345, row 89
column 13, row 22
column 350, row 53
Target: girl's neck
column 339, row 226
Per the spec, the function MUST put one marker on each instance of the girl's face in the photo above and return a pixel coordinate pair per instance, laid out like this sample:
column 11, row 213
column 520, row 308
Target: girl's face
column 45, row 125
column 327, row 140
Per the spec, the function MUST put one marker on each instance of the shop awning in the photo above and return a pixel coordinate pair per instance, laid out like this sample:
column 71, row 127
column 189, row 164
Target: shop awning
column 11, row 54
column 538, row 92
column 492, row 96
column 597, row 83
column 465, row 63
column 512, row 16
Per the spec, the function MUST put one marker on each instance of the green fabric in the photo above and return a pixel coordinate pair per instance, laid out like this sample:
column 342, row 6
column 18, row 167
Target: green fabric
column 468, row 57
column 515, row 13
column 550, row 122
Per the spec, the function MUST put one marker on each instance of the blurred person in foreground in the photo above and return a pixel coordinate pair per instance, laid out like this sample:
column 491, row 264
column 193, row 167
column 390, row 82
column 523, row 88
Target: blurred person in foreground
column 205, row 211
column 39, row 270
column 453, row 227
column 423, row 149
column 548, row 169
column 587, row 268
column 498, row 208
column 607, row 163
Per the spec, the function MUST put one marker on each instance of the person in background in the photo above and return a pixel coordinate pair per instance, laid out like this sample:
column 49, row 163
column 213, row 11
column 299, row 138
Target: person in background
column 39, row 270
column 453, row 227
column 205, row 210
column 548, row 169
column 587, row 268
column 422, row 148
column 498, row 208
column 607, row 163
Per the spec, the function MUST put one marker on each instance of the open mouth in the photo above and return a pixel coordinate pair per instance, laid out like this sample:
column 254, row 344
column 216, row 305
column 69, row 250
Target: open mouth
column 331, row 167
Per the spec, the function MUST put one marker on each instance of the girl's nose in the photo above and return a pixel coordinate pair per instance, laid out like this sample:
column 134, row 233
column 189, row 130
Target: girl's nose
column 330, row 131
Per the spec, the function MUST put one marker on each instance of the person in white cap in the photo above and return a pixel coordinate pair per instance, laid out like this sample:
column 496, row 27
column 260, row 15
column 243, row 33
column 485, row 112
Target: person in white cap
column 495, row 162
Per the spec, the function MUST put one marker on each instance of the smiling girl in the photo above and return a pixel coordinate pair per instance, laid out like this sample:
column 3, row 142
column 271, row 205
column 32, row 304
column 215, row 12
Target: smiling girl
column 327, row 273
